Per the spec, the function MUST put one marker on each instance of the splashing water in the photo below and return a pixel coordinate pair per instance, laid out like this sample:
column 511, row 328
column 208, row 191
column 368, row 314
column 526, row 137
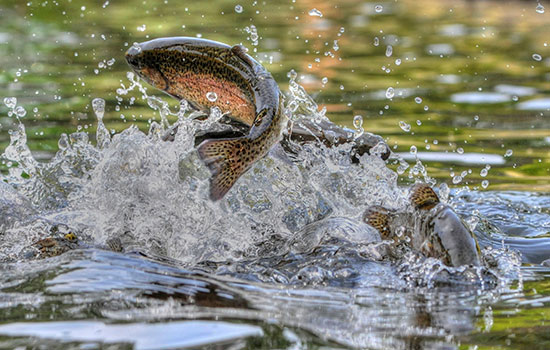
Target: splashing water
column 286, row 222
column 151, row 194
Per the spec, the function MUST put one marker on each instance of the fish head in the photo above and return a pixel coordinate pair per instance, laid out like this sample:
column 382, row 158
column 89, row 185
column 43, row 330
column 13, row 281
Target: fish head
column 165, row 63
column 143, row 62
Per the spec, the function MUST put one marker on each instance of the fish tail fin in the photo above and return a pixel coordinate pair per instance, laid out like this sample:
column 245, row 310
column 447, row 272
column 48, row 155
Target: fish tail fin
column 227, row 160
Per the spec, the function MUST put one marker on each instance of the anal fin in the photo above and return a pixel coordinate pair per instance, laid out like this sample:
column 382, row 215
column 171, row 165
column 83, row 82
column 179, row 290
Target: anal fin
column 227, row 160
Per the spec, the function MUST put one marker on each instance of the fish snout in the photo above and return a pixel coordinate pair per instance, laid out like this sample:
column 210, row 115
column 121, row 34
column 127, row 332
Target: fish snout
column 133, row 56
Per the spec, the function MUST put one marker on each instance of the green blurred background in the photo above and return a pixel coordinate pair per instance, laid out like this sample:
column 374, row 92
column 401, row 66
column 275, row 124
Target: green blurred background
column 467, row 76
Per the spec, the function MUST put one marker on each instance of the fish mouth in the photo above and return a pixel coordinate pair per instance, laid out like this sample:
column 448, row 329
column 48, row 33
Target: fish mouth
column 133, row 57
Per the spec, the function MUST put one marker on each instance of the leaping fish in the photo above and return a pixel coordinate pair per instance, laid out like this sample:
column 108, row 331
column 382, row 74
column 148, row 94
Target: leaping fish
column 210, row 74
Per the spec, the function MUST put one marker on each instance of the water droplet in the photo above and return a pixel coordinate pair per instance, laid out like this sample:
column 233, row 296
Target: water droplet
column 253, row 31
column 63, row 142
column 98, row 105
column 111, row 62
column 238, row 9
column 212, row 96
column 358, row 122
column 390, row 92
column 315, row 12
column 376, row 41
column 485, row 183
column 426, row 108
column 483, row 172
column 292, row 74
column 413, row 150
column 389, row 50
column 404, row 126
column 515, row 98
column 20, row 111
column 457, row 179
column 402, row 167
column 508, row 153
column 444, row 192
column 378, row 8
column 135, row 47
column 324, row 80
column 460, row 150
column 418, row 100
column 398, row 62
column 10, row 102
column 537, row 57
column 539, row 8
column 142, row 28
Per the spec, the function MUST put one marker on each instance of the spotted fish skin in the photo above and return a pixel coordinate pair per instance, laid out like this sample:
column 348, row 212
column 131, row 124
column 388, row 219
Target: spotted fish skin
column 379, row 218
column 423, row 197
column 194, row 70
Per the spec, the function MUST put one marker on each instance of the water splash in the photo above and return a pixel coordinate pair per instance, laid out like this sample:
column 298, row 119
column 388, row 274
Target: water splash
column 152, row 196
column 315, row 12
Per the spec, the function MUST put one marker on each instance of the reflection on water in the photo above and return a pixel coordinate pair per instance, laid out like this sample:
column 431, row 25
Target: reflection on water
column 133, row 289
column 480, row 97
column 464, row 158
column 460, row 86
column 538, row 104
column 142, row 336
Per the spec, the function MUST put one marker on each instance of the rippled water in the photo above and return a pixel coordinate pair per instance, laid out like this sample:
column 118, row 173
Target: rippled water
column 284, row 260
column 284, row 254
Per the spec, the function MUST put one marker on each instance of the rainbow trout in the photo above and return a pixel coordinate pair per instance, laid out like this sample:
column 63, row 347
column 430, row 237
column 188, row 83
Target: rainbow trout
column 209, row 74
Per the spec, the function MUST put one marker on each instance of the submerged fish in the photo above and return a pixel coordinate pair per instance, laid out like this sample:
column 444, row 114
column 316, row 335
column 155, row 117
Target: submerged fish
column 431, row 227
column 210, row 74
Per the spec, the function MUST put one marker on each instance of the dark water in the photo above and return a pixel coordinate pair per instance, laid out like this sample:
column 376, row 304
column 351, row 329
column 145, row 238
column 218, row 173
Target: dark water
column 464, row 87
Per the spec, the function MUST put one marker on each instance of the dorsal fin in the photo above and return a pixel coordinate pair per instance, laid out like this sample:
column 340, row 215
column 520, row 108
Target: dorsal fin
column 240, row 51
column 423, row 197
